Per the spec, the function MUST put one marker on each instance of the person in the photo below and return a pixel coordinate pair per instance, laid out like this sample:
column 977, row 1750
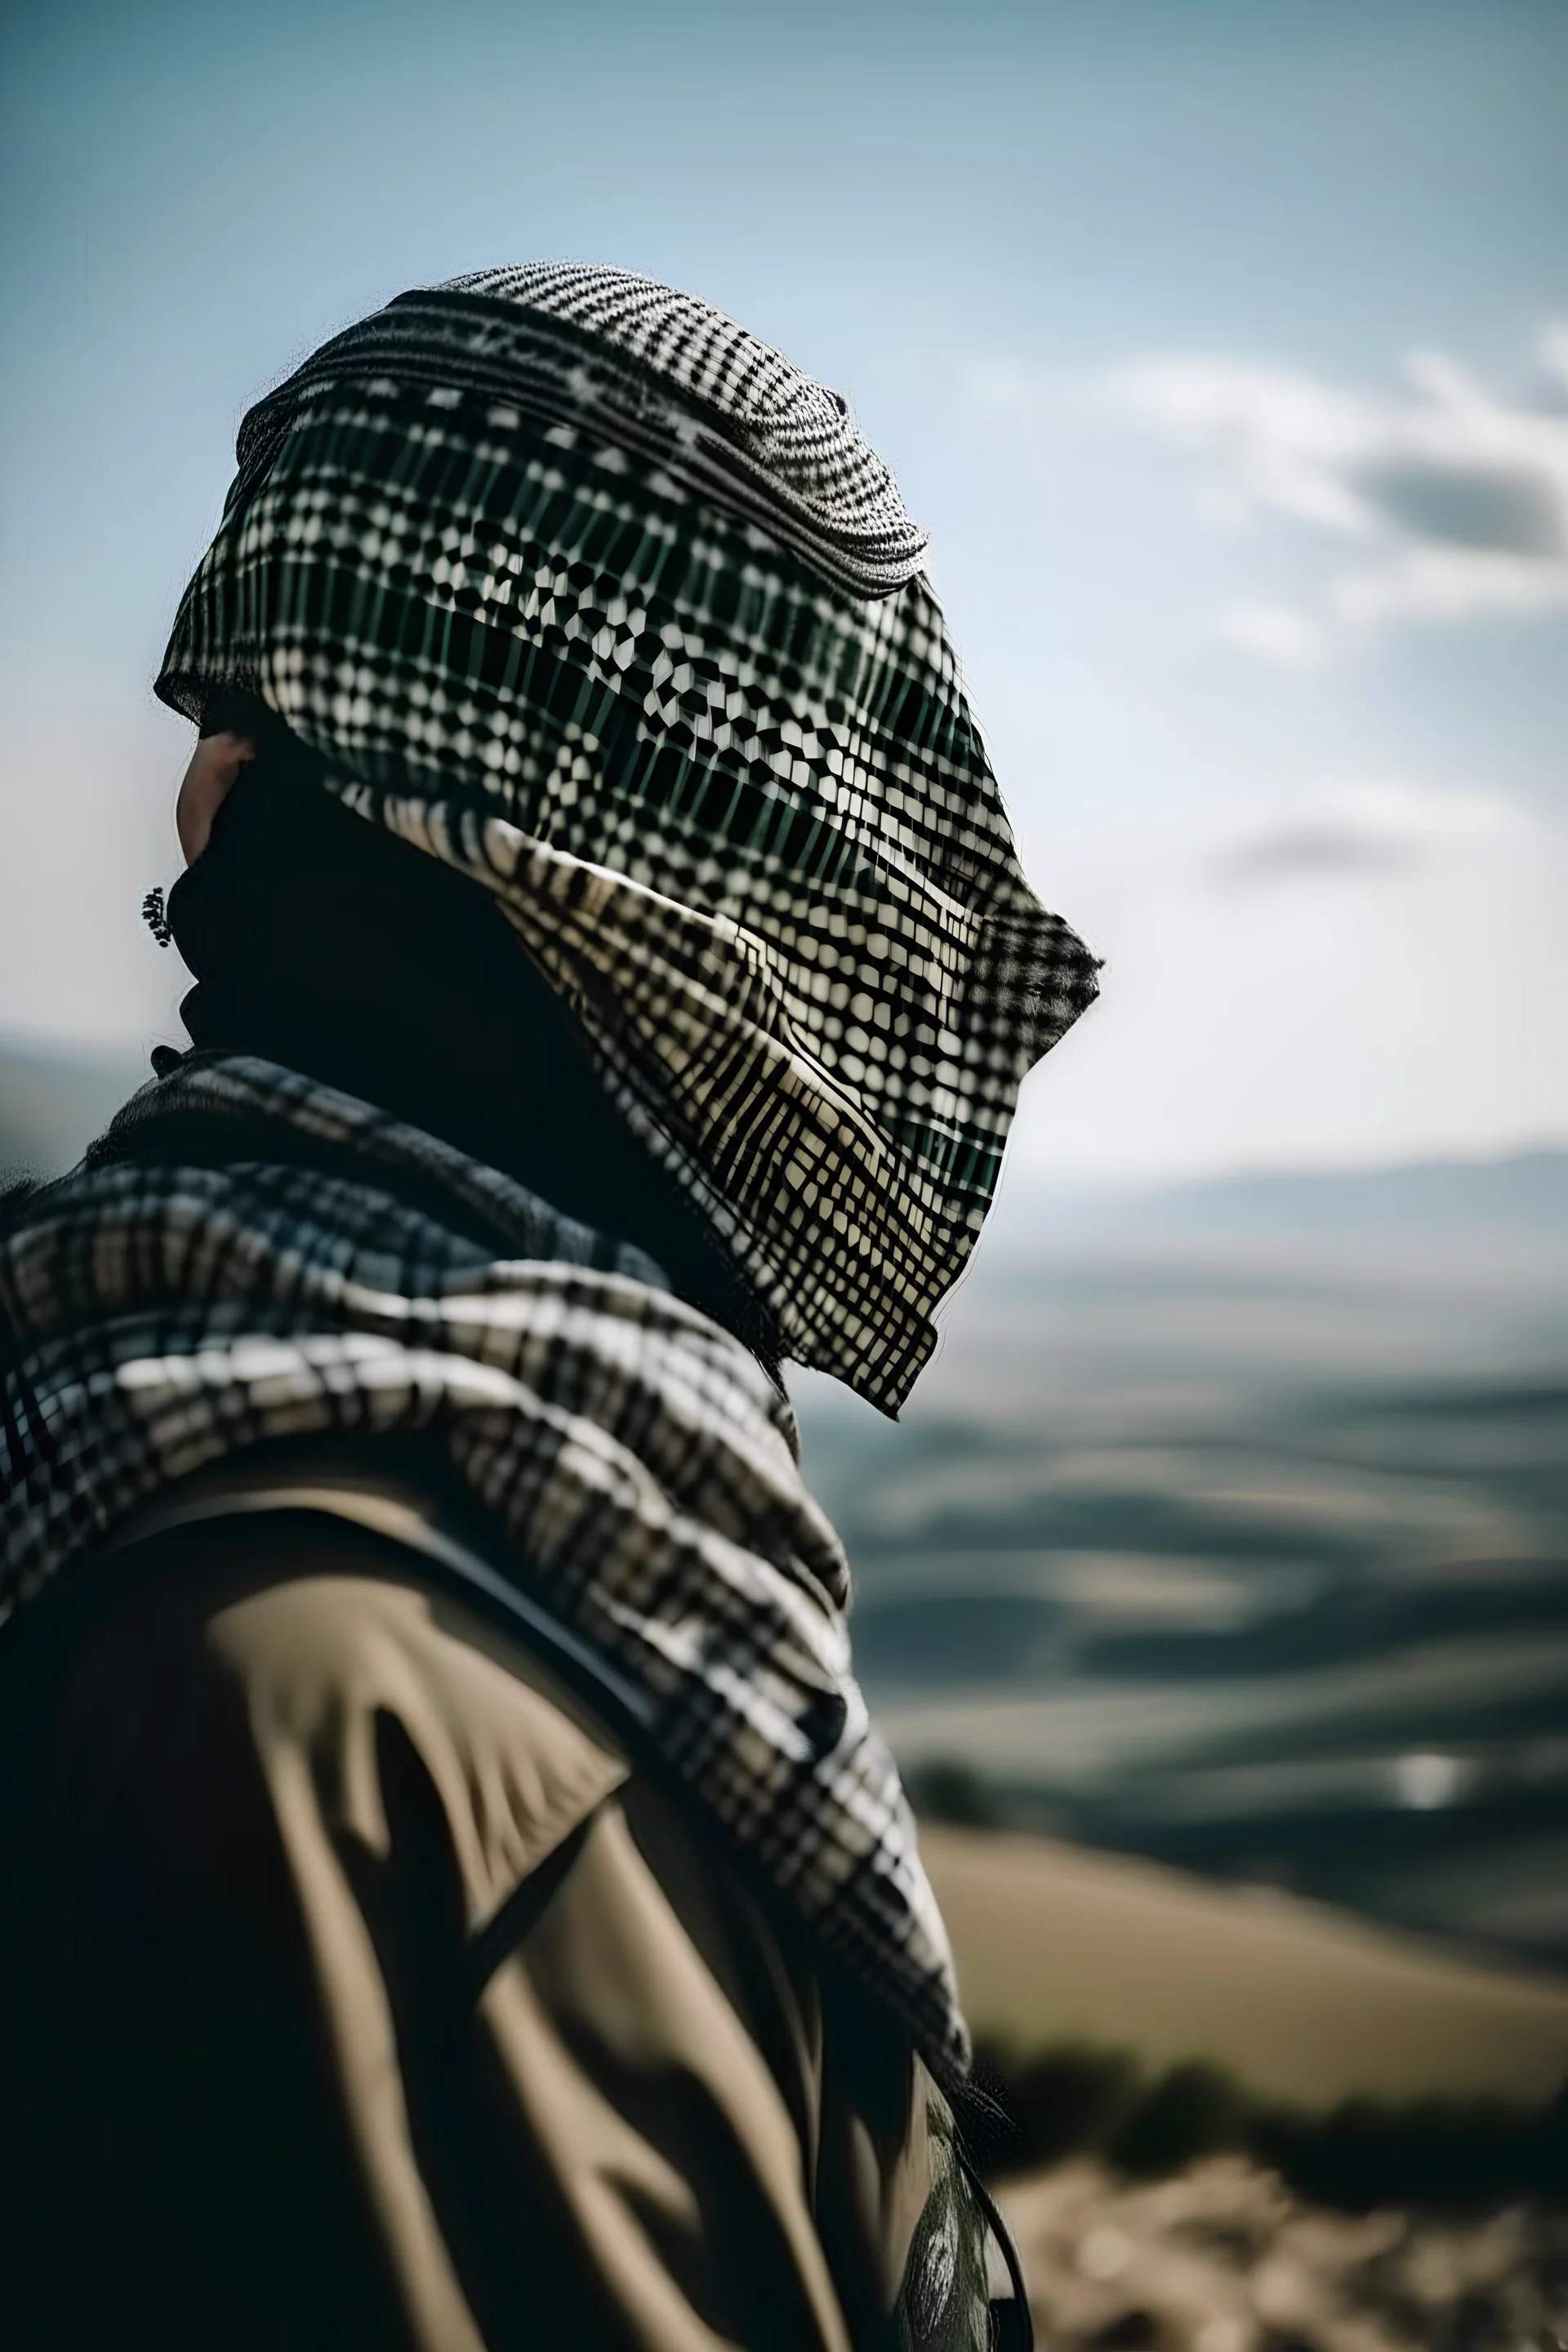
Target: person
column 453, row 1895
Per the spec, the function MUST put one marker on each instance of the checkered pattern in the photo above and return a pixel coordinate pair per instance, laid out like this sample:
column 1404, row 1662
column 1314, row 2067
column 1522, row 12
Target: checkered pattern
column 580, row 588
column 315, row 1269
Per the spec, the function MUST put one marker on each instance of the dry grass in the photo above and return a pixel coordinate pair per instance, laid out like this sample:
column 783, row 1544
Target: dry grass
column 1223, row 2259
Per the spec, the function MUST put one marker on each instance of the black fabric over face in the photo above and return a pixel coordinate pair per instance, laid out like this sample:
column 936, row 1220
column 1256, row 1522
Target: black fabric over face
column 326, row 944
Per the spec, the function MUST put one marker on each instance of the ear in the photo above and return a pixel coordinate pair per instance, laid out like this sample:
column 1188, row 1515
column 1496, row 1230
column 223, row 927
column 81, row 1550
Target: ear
column 215, row 766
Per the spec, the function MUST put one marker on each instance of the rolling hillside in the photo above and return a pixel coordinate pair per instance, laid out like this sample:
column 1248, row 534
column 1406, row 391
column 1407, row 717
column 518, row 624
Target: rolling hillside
column 1230, row 1527
column 1057, row 1945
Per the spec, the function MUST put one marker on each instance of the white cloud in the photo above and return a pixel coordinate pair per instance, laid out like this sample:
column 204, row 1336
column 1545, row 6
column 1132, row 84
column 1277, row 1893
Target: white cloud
column 1367, row 830
column 1454, row 501
column 1277, row 633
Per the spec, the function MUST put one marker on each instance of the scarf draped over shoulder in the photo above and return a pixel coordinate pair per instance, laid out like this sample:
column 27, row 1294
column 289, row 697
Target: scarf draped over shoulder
column 248, row 1258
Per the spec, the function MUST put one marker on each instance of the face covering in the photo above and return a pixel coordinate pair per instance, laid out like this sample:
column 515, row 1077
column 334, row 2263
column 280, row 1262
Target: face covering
column 322, row 942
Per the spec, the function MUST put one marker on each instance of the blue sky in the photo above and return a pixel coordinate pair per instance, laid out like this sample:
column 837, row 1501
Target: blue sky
column 1223, row 348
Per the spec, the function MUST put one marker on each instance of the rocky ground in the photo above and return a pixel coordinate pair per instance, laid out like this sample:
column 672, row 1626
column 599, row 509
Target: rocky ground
column 1225, row 2258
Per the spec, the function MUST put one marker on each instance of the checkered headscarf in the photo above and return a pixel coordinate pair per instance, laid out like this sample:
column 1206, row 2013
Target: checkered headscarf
column 576, row 586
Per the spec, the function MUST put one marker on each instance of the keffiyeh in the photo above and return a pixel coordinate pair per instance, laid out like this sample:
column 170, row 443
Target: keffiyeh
column 250, row 1257
column 580, row 589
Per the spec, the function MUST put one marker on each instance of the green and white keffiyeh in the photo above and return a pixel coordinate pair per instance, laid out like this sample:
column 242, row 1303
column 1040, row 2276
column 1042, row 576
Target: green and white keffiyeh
column 580, row 588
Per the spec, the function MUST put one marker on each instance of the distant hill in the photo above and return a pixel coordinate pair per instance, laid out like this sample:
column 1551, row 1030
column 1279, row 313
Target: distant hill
column 1055, row 1946
column 1526, row 1194
column 53, row 1100
column 1521, row 1195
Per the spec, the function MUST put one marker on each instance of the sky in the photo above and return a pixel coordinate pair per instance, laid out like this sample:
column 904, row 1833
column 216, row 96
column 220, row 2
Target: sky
column 1223, row 350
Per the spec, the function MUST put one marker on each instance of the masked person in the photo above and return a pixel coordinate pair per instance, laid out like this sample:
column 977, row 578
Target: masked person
column 454, row 1895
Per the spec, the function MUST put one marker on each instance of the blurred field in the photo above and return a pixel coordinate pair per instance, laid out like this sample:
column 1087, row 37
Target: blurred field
column 1057, row 1946
column 1230, row 1527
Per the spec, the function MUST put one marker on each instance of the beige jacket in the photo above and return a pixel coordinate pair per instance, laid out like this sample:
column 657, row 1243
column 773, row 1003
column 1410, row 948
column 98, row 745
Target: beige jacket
column 375, row 1996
